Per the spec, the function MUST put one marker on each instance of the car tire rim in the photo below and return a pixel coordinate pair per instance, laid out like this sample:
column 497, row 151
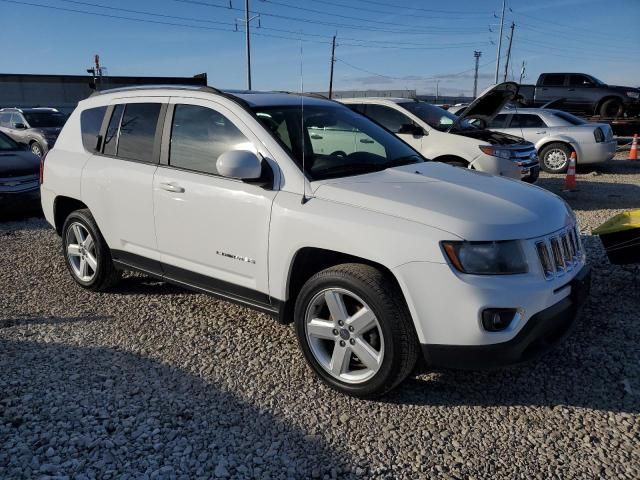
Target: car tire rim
column 36, row 150
column 556, row 159
column 81, row 252
column 344, row 335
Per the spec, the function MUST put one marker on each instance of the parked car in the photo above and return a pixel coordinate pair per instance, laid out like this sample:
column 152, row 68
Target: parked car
column 372, row 252
column 441, row 136
column 556, row 134
column 37, row 127
column 581, row 93
column 19, row 170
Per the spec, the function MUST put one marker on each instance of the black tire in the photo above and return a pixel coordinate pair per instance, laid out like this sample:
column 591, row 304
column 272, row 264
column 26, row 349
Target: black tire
column 36, row 149
column 612, row 108
column 549, row 158
column 105, row 274
column 383, row 296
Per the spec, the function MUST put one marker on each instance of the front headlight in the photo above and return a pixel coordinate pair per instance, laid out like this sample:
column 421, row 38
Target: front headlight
column 486, row 258
column 495, row 152
column 633, row 94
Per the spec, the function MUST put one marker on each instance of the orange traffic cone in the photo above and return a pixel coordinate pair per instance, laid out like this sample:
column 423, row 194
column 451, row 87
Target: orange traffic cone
column 633, row 153
column 570, row 180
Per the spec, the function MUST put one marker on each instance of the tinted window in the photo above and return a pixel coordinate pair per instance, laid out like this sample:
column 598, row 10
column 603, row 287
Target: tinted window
column 526, row 121
column 138, row 131
column 45, row 119
column 500, row 121
column 434, row 116
column 579, row 81
column 111, row 138
column 357, row 107
column 571, row 119
column 90, row 123
column 200, row 135
column 5, row 119
column 387, row 117
column 553, row 80
column 7, row 144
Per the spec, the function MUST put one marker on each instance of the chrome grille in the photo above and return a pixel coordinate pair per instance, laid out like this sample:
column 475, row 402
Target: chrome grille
column 560, row 252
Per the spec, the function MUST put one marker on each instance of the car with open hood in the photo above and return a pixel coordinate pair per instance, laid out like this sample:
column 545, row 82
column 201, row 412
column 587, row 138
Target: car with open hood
column 376, row 255
column 441, row 136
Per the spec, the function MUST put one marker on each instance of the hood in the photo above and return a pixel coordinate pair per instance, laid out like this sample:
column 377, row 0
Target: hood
column 18, row 163
column 469, row 204
column 489, row 103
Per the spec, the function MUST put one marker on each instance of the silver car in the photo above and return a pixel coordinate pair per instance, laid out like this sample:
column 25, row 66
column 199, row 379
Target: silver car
column 556, row 134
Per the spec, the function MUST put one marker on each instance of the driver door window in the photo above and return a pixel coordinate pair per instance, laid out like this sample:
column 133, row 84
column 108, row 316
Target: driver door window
column 387, row 117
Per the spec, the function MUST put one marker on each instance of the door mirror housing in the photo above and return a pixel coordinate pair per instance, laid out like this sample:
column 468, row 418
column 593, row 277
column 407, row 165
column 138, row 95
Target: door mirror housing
column 411, row 129
column 240, row 164
column 19, row 126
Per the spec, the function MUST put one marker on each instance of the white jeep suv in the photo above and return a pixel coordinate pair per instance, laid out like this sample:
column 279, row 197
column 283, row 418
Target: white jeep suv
column 374, row 253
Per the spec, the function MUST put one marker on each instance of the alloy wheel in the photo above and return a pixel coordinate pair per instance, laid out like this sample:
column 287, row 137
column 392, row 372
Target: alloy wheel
column 81, row 252
column 36, row 149
column 556, row 159
column 344, row 335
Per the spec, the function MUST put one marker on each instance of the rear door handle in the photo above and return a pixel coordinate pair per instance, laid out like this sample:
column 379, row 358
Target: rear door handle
column 315, row 136
column 540, row 133
column 172, row 187
column 365, row 140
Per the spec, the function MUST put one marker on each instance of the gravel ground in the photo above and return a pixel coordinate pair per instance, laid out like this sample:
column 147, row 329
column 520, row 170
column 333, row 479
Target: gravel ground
column 151, row 381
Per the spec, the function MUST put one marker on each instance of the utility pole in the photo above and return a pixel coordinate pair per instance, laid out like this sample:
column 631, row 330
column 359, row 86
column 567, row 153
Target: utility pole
column 476, row 54
column 506, row 65
column 522, row 70
column 333, row 61
column 248, row 42
column 500, row 42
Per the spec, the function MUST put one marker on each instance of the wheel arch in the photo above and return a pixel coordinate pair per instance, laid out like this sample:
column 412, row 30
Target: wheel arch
column 308, row 261
column 62, row 207
column 604, row 99
column 564, row 141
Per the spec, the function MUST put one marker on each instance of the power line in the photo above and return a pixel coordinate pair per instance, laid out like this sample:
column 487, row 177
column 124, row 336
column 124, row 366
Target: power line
column 322, row 22
column 451, row 12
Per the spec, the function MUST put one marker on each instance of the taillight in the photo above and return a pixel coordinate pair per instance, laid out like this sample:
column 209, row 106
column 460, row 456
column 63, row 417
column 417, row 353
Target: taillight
column 44, row 155
column 598, row 134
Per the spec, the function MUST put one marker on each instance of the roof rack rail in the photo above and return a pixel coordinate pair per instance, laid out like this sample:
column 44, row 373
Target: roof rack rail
column 305, row 94
column 134, row 88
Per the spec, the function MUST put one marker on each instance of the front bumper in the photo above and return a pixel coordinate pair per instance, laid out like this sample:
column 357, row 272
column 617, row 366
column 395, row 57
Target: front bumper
column 542, row 331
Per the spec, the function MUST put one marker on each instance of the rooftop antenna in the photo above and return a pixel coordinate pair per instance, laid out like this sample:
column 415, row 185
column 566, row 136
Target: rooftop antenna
column 304, row 172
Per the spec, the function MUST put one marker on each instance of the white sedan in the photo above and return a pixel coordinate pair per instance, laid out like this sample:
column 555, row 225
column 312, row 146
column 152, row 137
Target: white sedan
column 556, row 134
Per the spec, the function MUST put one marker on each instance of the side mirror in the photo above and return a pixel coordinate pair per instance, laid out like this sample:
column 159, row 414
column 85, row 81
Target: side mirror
column 240, row 164
column 19, row 126
column 411, row 129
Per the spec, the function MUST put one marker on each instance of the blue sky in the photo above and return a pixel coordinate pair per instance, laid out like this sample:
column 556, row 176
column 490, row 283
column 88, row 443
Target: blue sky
column 381, row 43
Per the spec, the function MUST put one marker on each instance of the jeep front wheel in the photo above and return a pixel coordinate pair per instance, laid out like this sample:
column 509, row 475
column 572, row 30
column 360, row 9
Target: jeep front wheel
column 355, row 330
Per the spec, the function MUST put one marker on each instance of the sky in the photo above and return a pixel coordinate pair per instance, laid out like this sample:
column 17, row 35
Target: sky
column 380, row 44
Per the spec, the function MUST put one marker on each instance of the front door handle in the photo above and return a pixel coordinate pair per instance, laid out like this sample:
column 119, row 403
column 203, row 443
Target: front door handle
column 541, row 133
column 315, row 136
column 172, row 187
column 365, row 140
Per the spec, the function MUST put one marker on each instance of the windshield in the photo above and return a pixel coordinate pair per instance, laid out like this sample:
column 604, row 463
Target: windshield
column 6, row 144
column 569, row 118
column 45, row 119
column 433, row 116
column 336, row 141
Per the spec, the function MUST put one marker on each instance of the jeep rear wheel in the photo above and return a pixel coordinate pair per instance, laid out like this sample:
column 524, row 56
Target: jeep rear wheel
column 355, row 330
column 86, row 253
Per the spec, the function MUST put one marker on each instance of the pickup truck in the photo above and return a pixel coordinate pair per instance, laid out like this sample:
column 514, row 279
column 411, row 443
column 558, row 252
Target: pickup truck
column 581, row 93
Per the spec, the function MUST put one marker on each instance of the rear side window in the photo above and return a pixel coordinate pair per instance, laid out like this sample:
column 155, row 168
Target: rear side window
column 5, row 119
column 111, row 137
column 500, row 121
column 388, row 117
column 553, row 80
column 526, row 121
column 569, row 118
column 90, row 123
column 199, row 135
column 138, row 131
